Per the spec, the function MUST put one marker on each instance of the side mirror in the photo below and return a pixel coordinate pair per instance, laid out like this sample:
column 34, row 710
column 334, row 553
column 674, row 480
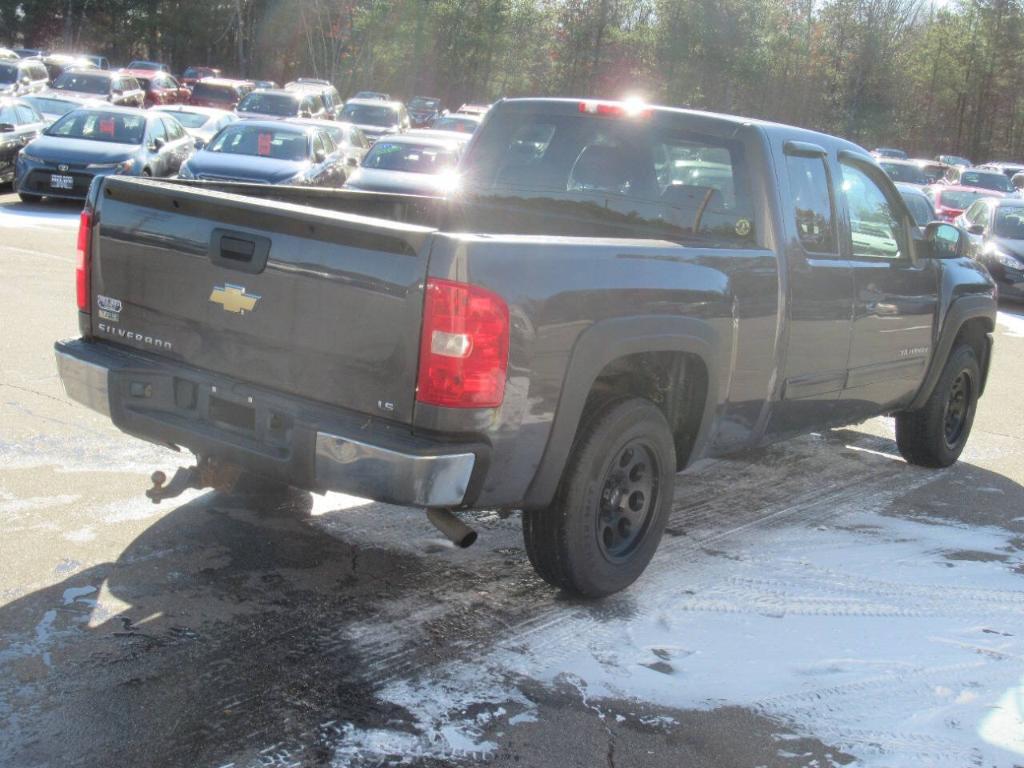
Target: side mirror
column 6, row 127
column 305, row 114
column 199, row 143
column 976, row 229
column 319, row 156
column 26, row 80
column 158, row 144
column 944, row 241
column 352, row 160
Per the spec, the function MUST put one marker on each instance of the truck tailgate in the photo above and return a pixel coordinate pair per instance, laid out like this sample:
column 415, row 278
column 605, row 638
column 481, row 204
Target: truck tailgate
column 307, row 301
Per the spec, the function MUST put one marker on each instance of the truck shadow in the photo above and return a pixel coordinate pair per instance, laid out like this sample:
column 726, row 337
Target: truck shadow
column 236, row 623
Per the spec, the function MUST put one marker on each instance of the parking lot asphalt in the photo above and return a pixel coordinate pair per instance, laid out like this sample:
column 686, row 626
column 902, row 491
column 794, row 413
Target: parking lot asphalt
column 816, row 603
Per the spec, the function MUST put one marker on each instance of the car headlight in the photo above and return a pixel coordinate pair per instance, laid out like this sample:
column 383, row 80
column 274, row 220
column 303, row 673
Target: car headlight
column 125, row 166
column 26, row 155
column 1008, row 261
column 185, row 172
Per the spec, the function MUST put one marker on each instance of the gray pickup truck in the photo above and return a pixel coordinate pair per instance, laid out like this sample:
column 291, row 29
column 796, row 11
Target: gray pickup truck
column 609, row 293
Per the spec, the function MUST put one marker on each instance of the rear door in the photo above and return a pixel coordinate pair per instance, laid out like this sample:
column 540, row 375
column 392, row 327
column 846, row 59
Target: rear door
column 301, row 300
column 895, row 298
column 819, row 296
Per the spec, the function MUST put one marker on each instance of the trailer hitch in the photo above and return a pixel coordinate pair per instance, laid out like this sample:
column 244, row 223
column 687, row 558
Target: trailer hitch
column 208, row 473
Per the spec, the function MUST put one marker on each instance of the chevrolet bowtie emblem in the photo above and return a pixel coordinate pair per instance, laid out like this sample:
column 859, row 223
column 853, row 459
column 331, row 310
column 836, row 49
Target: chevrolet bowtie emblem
column 234, row 298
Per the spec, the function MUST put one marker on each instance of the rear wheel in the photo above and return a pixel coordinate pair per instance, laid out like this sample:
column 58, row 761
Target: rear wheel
column 27, row 198
column 935, row 435
column 146, row 173
column 608, row 516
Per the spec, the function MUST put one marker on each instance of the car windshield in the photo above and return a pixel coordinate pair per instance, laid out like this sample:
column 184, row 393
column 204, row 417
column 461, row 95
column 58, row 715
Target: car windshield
column 895, row 154
column 958, row 199
column 196, row 72
column 8, row 73
column 910, row 174
column 213, row 92
column 368, row 114
column 51, row 106
column 144, row 65
column 954, row 160
column 261, row 141
column 419, row 103
column 411, row 158
column 83, row 83
column 933, row 172
column 114, row 127
column 270, row 104
column 1009, row 222
column 920, row 207
column 986, row 180
column 460, row 124
column 191, row 119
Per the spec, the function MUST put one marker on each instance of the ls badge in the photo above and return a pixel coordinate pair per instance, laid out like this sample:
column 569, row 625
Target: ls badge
column 234, row 298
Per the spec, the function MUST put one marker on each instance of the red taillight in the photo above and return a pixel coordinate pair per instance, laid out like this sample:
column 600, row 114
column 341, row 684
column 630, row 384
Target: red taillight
column 84, row 258
column 612, row 109
column 463, row 347
column 947, row 214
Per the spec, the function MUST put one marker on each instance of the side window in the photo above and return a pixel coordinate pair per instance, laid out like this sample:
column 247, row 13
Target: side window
column 157, row 131
column 26, row 114
column 977, row 213
column 7, row 115
column 174, row 131
column 876, row 229
column 812, row 203
column 318, row 143
column 328, row 143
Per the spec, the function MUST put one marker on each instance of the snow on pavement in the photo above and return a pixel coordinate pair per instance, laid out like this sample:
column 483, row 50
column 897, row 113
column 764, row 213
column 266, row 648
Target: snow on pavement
column 18, row 216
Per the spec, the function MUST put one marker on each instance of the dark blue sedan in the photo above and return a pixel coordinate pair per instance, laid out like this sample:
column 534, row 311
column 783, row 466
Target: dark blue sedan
column 100, row 141
column 270, row 152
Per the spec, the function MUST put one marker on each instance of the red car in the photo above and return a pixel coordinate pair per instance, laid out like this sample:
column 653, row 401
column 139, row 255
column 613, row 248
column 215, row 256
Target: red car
column 160, row 87
column 219, row 92
column 950, row 201
column 193, row 75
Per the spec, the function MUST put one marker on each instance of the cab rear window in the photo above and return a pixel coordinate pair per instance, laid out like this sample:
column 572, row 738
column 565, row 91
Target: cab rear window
column 647, row 176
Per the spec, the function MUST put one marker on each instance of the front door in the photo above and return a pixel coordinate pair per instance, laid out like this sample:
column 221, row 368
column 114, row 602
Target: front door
column 895, row 299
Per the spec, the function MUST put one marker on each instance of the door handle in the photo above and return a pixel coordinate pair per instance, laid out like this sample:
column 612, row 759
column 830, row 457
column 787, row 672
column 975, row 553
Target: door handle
column 239, row 251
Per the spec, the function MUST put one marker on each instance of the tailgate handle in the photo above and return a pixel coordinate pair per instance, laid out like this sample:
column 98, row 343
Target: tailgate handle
column 239, row 251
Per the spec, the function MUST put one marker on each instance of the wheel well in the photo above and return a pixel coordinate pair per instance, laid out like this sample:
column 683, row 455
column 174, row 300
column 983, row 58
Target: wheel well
column 973, row 332
column 676, row 382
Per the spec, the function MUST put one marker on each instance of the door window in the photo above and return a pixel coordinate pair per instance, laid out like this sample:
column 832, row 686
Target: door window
column 174, row 130
column 812, row 202
column 325, row 140
column 876, row 229
column 26, row 114
column 157, row 131
column 8, row 115
column 977, row 213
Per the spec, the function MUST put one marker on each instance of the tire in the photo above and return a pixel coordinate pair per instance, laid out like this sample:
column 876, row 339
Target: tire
column 935, row 434
column 146, row 173
column 579, row 543
column 27, row 198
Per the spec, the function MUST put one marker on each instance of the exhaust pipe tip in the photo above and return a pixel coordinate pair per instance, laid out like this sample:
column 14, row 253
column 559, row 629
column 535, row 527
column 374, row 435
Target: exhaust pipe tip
column 456, row 531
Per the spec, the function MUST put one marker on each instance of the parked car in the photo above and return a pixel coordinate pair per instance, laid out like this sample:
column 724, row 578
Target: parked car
column 505, row 350
column 906, row 171
column 29, row 53
column 375, row 118
column 996, row 232
column 260, row 105
column 979, row 178
column 410, row 165
column 100, row 62
column 202, row 123
column 104, row 141
column 456, row 123
column 1007, row 169
column 193, row 75
column 950, row 201
column 53, row 105
column 115, row 87
column 328, row 94
column 954, row 160
column 23, row 76
column 58, row 63
column 461, row 139
column 423, row 109
column 372, row 95
column 20, row 123
column 267, row 85
column 349, row 140
column 889, row 153
column 270, row 152
column 6, row 54
column 932, row 169
column 920, row 205
column 219, row 92
column 151, row 66
column 159, row 87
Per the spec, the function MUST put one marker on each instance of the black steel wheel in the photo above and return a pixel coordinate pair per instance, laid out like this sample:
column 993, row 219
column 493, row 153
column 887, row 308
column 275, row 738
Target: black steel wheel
column 606, row 520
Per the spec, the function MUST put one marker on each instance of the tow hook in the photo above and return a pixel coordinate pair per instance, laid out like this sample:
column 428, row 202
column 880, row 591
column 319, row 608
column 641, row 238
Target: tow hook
column 208, row 473
column 458, row 533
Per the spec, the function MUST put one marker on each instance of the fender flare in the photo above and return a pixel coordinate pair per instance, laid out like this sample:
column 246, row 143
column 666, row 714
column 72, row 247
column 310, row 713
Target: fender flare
column 595, row 348
column 960, row 311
